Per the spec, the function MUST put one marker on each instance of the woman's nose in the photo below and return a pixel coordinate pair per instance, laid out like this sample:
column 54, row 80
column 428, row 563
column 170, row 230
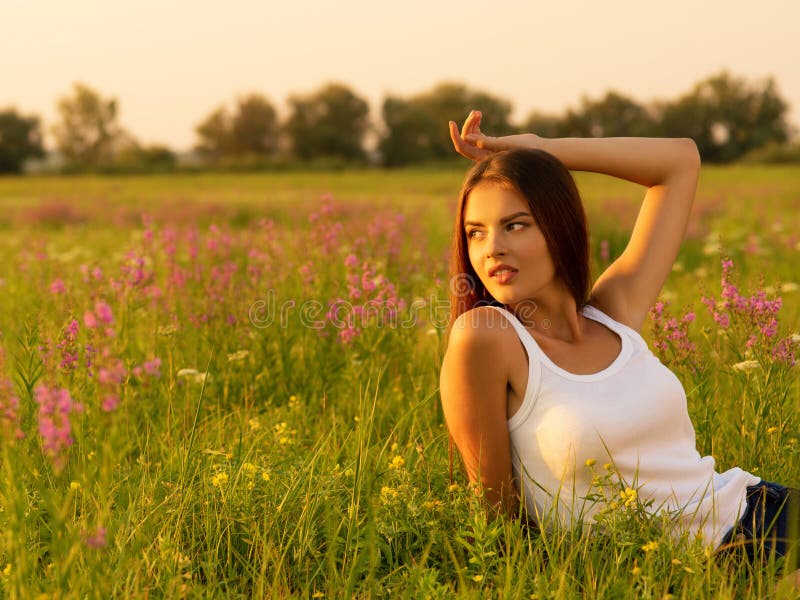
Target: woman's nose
column 495, row 245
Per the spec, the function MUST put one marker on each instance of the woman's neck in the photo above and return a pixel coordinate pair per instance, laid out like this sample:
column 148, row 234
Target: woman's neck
column 553, row 313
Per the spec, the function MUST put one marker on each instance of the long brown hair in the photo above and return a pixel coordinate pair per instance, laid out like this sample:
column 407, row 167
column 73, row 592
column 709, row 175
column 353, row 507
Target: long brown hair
column 555, row 204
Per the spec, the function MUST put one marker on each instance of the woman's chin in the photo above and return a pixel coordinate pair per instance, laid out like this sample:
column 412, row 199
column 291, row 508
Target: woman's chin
column 503, row 297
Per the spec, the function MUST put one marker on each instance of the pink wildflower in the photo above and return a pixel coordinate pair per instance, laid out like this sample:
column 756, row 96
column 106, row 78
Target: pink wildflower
column 55, row 408
column 57, row 287
column 153, row 367
column 103, row 312
column 604, row 251
column 351, row 260
column 110, row 402
column 89, row 319
column 97, row 539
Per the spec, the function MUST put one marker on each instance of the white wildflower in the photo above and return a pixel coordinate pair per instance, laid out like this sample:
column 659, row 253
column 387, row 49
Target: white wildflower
column 193, row 375
column 166, row 330
column 238, row 355
column 746, row 365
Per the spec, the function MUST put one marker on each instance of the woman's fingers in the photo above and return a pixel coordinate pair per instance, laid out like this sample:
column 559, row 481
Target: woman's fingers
column 483, row 141
column 462, row 147
column 470, row 142
column 469, row 123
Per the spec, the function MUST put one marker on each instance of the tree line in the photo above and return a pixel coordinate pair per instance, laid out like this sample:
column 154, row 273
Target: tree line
column 729, row 118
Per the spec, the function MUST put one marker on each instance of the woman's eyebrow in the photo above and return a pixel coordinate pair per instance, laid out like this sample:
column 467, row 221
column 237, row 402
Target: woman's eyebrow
column 503, row 220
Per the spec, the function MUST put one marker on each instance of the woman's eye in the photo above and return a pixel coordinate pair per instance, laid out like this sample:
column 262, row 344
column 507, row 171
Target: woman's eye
column 472, row 234
column 513, row 224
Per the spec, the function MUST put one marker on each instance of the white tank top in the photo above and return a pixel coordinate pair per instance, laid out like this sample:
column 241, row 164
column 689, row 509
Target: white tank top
column 633, row 414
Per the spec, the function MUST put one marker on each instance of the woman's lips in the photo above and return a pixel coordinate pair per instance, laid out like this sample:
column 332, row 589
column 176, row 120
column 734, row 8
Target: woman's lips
column 504, row 276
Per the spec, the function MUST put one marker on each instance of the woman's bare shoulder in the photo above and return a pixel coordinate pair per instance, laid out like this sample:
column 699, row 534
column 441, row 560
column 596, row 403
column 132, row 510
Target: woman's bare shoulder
column 482, row 331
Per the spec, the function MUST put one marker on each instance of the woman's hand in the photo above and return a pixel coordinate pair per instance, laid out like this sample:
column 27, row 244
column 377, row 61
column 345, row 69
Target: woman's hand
column 474, row 145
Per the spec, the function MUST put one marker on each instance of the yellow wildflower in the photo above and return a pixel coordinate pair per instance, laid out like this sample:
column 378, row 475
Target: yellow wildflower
column 628, row 496
column 608, row 466
column 388, row 493
column 249, row 468
column 254, row 424
column 74, row 485
column 636, row 571
column 7, row 570
column 677, row 561
column 397, row 462
column 265, row 475
column 219, row 479
column 650, row 546
column 452, row 487
column 394, row 447
column 477, row 578
column 772, row 430
column 349, row 472
column 292, row 399
column 318, row 595
column 590, row 462
column 283, row 433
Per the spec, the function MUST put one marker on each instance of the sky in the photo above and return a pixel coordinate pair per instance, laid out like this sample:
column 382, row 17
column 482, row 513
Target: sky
column 170, row 63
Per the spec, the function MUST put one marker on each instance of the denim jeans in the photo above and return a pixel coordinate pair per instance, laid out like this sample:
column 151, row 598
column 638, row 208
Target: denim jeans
column 769, row 524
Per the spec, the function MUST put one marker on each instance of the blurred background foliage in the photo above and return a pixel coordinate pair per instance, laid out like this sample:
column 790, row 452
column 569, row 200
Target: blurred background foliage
column 729, row 117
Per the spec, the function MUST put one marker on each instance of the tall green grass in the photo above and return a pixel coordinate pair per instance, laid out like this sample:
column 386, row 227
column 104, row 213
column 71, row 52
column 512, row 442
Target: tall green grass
column 292, row 464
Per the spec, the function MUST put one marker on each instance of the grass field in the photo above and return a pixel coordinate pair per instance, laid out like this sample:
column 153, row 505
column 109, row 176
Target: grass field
column 226, row 386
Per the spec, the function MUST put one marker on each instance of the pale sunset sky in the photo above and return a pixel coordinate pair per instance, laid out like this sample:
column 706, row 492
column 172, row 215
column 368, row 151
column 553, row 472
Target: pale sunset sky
column 171, row 62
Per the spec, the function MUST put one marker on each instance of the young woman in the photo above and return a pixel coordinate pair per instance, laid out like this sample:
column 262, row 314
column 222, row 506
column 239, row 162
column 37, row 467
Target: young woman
column 546, row 374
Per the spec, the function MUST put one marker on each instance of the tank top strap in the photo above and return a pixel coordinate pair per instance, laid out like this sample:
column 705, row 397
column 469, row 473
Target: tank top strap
column 620, row 328
column 531, row 347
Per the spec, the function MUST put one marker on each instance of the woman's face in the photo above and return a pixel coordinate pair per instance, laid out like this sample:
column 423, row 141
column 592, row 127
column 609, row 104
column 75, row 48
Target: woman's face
column 500, row 230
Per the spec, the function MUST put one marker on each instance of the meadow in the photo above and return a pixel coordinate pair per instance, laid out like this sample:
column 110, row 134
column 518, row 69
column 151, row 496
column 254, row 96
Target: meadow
column 226, row 386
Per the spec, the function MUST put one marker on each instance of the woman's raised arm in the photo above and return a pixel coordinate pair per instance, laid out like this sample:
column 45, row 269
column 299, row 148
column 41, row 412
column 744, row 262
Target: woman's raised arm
column 668, row 167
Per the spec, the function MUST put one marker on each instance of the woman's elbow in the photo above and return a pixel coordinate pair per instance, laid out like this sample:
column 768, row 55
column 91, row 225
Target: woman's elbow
column 690, row 155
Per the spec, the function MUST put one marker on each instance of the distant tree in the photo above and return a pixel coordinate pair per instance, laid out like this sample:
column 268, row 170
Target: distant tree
column 20, row 139
column 151, row 158
column 254, row 126
column 214, row 135
column 330, row 122
column 88, row 134
column 614, row 115
column 411, row 131
column 252, row 129
column 728, row 116
column 416, row 128
column 545, row 125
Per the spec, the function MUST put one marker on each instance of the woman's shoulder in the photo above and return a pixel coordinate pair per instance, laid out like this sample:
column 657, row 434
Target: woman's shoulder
column 481, row 325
